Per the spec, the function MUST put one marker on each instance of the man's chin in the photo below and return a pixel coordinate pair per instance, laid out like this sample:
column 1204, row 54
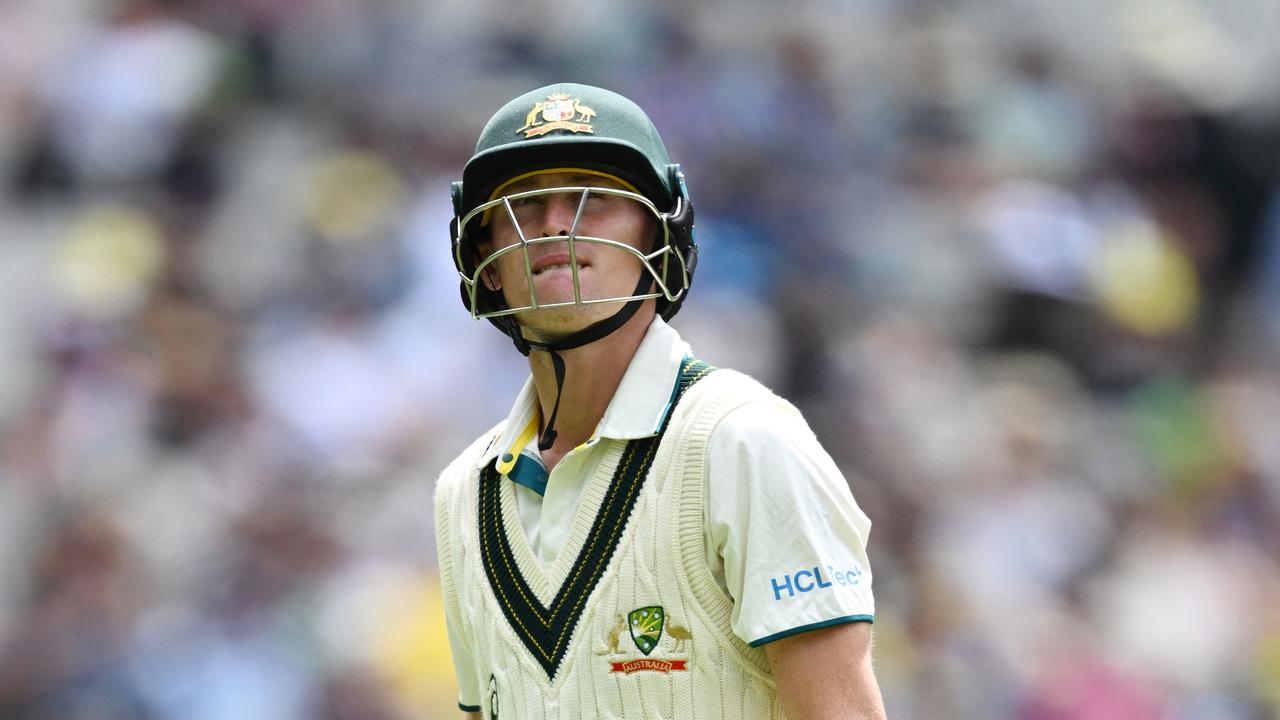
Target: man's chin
column 551, row 324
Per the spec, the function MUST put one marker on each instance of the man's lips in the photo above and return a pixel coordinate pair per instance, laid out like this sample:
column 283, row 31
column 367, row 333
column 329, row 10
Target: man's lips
column 558, row 260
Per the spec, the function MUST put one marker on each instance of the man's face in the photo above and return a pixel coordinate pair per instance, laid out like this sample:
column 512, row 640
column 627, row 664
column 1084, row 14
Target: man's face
column 603, row 272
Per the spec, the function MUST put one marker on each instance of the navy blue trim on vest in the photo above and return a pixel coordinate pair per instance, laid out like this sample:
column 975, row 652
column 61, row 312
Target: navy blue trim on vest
column 547, row 630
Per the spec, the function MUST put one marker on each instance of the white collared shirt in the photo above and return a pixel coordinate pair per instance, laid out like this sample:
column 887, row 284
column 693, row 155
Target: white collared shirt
column 783, row 536
column 640, row 404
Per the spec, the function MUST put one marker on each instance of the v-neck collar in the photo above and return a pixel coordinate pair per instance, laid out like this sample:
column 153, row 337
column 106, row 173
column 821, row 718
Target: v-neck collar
column 543, row 607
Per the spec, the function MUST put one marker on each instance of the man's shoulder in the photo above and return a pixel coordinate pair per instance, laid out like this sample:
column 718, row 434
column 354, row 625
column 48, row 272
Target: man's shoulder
column 750, row 408
column 728, row 398
column 735, row 385
column 462, row 468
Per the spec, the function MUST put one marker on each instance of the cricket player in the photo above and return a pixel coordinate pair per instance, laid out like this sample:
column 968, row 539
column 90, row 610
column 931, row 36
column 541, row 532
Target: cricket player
column 644, row 535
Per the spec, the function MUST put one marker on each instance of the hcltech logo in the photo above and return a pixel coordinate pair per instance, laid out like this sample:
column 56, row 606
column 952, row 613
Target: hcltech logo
column 810, row 579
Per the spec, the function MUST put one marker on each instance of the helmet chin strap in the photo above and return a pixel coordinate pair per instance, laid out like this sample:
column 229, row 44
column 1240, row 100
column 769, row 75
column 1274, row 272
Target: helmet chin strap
column 585, row 336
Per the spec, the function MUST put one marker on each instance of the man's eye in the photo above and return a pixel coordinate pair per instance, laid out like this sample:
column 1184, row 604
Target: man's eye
column 599, row 198
column 531, row 200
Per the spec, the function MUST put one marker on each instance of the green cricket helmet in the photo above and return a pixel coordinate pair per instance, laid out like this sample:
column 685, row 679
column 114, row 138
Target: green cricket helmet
column 568, row 126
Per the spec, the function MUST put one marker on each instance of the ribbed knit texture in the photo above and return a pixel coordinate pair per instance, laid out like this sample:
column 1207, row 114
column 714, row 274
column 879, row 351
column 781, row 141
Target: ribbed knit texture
column 660, row 561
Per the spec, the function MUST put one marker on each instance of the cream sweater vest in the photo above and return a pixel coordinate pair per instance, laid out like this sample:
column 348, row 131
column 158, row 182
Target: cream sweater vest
column 652, row 639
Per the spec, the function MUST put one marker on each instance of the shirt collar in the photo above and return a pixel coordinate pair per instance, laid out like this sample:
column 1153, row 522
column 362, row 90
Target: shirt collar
column 637, row 409
column 648, row 387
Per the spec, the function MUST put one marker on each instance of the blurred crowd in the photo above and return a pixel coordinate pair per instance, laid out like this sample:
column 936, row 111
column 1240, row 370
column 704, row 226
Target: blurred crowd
column 1018, row 261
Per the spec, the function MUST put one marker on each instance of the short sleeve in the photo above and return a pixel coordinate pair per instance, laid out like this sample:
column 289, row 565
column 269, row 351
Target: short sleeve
column 783, row 528
column 465, row 670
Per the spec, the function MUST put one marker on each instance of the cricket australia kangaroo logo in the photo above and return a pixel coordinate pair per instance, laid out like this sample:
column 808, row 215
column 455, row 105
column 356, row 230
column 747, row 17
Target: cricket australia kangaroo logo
column 646, row 626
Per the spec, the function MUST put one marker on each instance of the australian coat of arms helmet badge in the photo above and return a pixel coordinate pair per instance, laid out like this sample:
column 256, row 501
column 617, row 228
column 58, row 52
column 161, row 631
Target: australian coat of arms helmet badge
column 559, row 111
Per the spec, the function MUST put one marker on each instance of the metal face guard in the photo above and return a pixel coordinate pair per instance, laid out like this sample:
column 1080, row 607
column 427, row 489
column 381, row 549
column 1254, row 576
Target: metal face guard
column 665, row 252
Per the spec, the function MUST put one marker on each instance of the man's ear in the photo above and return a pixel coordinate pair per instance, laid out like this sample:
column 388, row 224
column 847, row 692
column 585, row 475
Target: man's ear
column 489, row 276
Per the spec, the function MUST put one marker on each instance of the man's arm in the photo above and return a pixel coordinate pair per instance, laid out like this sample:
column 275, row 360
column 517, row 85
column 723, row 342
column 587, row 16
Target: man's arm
column 827, row 674
column 473, row 716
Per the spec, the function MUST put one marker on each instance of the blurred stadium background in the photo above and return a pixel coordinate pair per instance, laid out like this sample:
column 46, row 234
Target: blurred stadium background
column 1018, row 261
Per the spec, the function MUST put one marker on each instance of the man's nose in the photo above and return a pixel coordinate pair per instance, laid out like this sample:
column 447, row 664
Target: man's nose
column 559, row 213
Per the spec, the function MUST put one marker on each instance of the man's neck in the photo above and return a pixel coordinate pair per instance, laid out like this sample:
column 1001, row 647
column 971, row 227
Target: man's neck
column 592, row 374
